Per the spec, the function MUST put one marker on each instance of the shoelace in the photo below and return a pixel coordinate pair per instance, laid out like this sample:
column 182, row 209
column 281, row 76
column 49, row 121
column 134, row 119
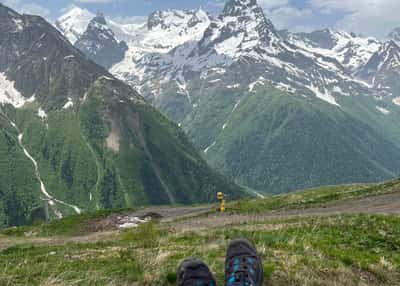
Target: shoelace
column 241, row 271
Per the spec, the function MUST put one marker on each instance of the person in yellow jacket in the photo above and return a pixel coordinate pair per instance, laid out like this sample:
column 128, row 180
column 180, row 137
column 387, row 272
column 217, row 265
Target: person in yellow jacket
column 221, row 199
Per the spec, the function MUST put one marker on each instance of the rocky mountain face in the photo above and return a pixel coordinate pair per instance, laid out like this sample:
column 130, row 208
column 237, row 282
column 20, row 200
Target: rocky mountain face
column 351, row 51
column 242, row 28
column 73, row 138
column 382, row 71
column 273, row 110
column 98, row 42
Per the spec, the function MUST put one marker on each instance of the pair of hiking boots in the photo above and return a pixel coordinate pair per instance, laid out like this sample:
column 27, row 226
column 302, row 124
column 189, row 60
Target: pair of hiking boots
column 243, row 267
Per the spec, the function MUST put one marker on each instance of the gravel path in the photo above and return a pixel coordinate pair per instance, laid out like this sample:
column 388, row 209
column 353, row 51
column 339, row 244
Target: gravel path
column 388, row 204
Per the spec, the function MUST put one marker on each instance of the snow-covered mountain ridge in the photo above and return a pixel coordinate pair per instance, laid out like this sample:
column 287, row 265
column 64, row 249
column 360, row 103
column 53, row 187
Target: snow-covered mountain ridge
column 348, row 49
column 174, row 45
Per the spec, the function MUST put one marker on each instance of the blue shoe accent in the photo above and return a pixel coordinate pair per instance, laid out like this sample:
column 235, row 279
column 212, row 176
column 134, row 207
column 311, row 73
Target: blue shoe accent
column 242, row 265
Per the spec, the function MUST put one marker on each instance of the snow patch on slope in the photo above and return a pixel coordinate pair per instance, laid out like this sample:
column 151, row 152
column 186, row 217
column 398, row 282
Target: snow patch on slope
column 325, row 96
column 230, row 115
column 396, row 101
column 383, row 110
column 236, row 85
column 209, row 147
column 261, row 196
column 229, row 46
column 131, row 222
column 69, row 103
column 42, row 114
column 259, row 82
column 9, row 94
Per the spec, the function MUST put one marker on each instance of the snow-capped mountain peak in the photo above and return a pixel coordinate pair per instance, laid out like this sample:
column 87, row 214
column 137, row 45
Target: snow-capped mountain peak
column 164, row 31
column 168, row 29
column 99, row 43
column 176, row 19
column 99, row 19
column 241, row 30
column 98, row 26
column 238, row 7
column 76, row 20
column 74, row 23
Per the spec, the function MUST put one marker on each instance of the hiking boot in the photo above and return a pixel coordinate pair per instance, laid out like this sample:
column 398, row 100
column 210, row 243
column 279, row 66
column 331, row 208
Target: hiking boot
column 243, row 266
column 193, row 272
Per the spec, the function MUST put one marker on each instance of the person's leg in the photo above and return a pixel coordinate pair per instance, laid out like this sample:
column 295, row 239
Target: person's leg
column 193, row 272
column 243, row 266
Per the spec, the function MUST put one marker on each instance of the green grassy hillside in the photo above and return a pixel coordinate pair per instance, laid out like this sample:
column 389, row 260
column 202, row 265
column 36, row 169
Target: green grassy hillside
column 151, row 161
column 19, row 199
column 338, row 250
column 315, row 197
column 276, row 142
